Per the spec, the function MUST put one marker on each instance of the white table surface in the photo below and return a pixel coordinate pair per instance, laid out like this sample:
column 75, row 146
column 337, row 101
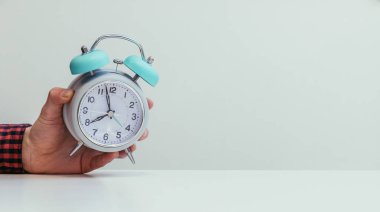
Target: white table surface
column 180, row 191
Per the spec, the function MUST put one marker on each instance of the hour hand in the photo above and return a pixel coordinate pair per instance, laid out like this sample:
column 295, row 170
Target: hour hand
column 99, row 118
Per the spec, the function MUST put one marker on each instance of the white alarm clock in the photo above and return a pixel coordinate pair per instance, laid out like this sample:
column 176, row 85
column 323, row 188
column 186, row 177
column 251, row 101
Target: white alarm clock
column 109, row 111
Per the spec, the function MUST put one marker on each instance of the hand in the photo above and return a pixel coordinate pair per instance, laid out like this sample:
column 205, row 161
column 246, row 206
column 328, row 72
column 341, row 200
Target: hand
column 47, row 144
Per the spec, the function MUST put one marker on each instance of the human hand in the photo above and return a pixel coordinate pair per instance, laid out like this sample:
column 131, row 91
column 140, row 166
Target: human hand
column 47, row 143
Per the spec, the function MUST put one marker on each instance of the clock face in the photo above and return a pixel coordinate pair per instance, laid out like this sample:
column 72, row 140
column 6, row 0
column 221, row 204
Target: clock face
column 110, row 113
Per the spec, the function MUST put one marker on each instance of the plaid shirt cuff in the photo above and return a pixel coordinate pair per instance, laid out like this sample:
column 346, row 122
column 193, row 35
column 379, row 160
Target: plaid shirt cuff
column 11, row 136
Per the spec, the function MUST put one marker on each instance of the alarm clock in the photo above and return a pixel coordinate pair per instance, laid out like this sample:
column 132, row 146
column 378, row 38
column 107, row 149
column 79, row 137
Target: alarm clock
column 108, row 111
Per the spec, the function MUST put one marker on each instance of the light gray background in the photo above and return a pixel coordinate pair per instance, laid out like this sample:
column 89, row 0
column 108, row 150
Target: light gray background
column 244, row 84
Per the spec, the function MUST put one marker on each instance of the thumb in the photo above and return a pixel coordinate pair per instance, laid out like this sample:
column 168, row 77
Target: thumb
column 100, row 161
column 52, row 110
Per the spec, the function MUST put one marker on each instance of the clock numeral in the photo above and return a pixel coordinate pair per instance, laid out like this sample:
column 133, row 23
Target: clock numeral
column 91, row 99
column 112, row 89
column 95, row 130
column 85, row 110
column 105, row 136
column 87, row 122
column 118, row 135
column 100, row 91
column 134, row 116
column 131, row 105
column 125, row 94
column 128, row 128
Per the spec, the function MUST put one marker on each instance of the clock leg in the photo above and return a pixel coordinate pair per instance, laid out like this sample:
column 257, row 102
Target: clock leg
column 130, row 155
column 79, row 145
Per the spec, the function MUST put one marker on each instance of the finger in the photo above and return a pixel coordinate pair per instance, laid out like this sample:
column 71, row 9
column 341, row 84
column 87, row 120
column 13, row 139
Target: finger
column 144, row 135
column 101, row 160
column 150, row 103
column 52, row 109
column 132, row 148
column 122, row 154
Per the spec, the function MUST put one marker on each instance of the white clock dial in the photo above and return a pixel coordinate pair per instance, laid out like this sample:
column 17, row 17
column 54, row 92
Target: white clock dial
column 110, row 114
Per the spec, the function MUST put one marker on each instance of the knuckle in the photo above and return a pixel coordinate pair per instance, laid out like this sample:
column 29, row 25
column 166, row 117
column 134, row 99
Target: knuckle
column 53, row 91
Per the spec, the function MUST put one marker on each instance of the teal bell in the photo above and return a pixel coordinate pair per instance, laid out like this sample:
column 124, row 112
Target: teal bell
column 88, row 62
column 142, row 69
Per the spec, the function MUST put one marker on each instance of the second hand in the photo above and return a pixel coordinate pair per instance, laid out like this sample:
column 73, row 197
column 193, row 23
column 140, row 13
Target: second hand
column 114, row 118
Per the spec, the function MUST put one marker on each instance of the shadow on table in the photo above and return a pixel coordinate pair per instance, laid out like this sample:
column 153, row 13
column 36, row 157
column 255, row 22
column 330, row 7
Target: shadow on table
column 95, row 174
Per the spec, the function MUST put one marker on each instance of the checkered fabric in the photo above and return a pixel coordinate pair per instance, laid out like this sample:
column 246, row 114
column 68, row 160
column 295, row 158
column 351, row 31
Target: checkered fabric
column 11, row 136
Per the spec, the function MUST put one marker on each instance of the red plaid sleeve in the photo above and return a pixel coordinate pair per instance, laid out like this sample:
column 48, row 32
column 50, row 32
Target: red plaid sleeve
column 11, row 136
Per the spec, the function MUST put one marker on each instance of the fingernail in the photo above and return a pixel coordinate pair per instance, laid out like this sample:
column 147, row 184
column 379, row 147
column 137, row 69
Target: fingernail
column 66, row 93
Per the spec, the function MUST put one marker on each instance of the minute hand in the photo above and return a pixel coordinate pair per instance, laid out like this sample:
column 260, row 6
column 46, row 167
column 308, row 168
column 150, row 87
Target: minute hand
column 108, row 99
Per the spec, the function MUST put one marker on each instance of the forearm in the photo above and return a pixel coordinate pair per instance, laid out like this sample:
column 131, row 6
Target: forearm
column 11, row 137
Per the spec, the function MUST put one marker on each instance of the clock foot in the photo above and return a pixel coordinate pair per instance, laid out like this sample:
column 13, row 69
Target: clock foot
column 79, row 145
column 130, row 156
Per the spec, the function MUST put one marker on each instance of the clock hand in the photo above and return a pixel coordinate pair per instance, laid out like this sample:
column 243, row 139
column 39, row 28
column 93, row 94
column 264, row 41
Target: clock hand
column 114, row 118
column 108, row 99
column 99, row 118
